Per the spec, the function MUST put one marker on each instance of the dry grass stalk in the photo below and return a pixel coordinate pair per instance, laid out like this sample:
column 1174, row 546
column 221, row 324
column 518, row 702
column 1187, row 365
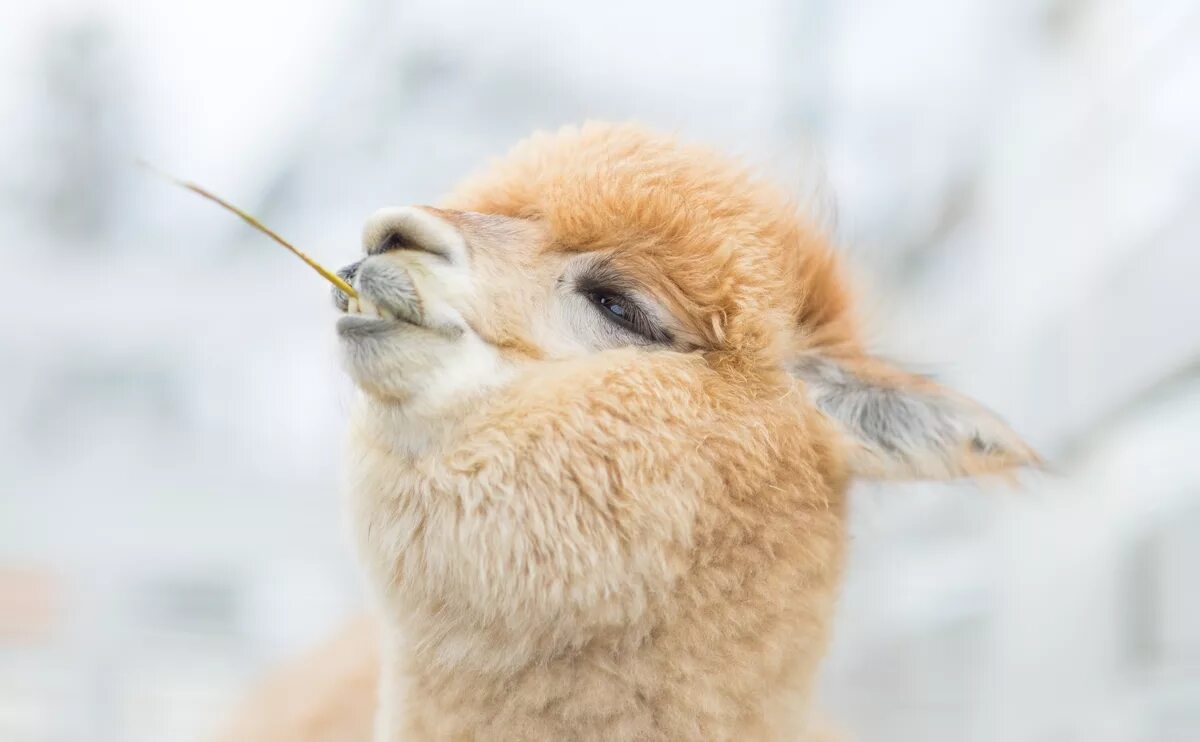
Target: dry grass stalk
column 327, row 274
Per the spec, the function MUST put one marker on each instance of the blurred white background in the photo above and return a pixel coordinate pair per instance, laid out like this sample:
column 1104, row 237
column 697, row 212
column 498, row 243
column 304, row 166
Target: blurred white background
column 1018, row 184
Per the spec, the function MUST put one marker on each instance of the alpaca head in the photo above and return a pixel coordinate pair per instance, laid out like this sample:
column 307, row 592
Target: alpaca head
column 607, row 237
column 613, row 375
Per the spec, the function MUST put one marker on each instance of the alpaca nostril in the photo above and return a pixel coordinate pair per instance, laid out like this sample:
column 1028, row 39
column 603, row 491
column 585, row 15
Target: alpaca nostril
column 401, row 238
column 412, row 228
column 394, row 241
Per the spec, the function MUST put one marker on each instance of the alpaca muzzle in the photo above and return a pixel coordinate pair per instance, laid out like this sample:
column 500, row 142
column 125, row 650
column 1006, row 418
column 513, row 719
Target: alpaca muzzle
column 387, row 299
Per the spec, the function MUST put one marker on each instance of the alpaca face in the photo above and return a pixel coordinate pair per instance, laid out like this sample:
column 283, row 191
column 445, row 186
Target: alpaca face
column 659, row 248
column 453, row 303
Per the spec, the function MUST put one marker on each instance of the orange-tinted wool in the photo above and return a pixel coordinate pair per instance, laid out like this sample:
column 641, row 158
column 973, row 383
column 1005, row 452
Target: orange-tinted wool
column 637, row 543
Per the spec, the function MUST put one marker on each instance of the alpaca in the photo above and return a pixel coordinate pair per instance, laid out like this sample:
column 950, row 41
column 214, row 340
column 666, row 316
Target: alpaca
column 613, row 393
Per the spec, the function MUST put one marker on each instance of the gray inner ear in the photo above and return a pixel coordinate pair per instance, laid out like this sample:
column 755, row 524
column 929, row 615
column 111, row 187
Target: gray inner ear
column 897, row 422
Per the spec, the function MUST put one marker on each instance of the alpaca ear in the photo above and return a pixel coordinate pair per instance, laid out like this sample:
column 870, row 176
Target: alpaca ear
column 898, row 425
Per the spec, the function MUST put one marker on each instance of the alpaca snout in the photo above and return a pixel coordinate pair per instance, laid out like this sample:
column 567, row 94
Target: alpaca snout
column 387, row 299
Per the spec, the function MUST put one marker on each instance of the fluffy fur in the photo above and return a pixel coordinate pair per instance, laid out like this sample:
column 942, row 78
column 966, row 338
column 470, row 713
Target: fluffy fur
column 573, row 533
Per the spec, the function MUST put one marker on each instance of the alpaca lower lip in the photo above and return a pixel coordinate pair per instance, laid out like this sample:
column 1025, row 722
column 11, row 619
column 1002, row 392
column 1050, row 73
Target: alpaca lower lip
column 354, row 326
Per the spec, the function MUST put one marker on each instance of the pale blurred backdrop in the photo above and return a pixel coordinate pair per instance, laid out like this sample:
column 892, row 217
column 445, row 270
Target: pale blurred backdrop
column 1017, row 183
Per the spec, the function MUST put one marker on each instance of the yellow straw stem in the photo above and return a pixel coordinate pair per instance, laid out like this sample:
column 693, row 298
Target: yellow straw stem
column 327, row 274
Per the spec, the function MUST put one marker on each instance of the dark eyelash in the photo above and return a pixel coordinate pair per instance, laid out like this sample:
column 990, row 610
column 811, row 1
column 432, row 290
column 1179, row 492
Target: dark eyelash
column 638, row 321
column 634, row 319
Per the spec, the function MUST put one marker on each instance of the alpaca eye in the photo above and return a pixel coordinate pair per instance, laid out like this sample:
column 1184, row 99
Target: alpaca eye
column 620, row 310
column 606, row 290
column 614, row 306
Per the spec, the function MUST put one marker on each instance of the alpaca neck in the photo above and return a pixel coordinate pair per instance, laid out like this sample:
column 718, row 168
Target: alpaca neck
column 686, row 682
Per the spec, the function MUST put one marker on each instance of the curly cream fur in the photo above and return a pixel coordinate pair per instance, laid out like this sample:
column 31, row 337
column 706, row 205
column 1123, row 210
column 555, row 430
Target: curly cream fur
column 627, row 543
